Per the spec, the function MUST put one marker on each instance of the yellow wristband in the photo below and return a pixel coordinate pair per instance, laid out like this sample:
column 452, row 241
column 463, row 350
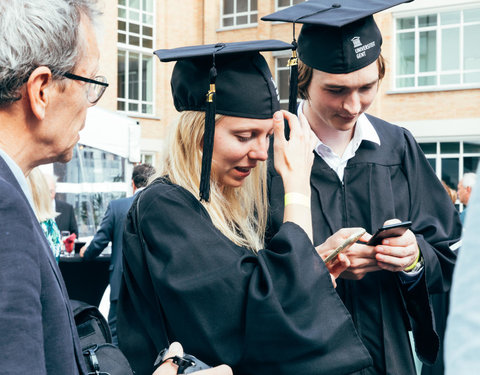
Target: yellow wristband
column 297, row 198
column 412, row 266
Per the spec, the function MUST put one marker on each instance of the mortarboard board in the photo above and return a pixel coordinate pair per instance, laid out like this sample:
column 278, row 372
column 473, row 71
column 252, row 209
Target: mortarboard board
column 232, row 79
column 338, row 36
column 335, row 13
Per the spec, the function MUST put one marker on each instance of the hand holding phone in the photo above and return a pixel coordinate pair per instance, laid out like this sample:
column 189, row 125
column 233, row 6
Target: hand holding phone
column 387, row 231
column 350, row 240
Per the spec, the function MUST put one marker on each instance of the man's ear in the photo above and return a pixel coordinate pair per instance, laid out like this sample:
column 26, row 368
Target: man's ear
column 39, row 86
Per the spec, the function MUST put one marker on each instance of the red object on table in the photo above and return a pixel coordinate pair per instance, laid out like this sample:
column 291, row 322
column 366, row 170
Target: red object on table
column 69, row 242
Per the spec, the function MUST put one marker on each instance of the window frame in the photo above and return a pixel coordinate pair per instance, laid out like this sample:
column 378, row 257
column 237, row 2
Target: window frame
column 438, row 156
column 150, row 154
column 291, row 3
column 235, row 15
column 97, row 194
column 143, row 52
column 278, row 68
column 437, row 73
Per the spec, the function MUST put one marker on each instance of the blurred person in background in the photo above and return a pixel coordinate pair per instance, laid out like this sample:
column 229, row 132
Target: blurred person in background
column 111, row 230
column 43, row 209
column 464, row 190
column 452, row 193
column 66, row 220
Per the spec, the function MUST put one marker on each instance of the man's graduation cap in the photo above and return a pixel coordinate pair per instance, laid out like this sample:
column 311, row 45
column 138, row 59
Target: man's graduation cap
column 232, row 79
column 338, row 36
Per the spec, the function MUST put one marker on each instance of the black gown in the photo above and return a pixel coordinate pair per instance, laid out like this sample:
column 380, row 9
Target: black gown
column 272, row 313
column 381, row 182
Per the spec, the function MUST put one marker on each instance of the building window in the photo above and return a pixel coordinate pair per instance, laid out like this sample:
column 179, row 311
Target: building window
column 147, row 158
column 282, row 75
column 438, row 50
column 239, row 13
column 280, row 4
column 89, row 182
column 135, row 56
column 451, row 160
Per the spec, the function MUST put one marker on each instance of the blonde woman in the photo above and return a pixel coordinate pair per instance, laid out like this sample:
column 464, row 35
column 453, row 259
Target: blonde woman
column 196, row 269
column 44, row 209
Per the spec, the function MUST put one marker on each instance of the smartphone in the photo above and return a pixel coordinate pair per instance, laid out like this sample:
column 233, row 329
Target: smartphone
column 387, row 231
column 352, row 239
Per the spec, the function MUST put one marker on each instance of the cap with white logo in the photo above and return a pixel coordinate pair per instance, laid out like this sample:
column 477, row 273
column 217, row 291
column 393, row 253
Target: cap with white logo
column 340, row 49
column 339, row 36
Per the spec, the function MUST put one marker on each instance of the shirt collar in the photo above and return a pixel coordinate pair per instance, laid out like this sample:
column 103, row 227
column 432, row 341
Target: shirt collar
column 19, row 176
column 364, row 130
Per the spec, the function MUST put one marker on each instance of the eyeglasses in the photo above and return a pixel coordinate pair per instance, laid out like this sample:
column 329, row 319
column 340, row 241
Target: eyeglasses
column 96, row 86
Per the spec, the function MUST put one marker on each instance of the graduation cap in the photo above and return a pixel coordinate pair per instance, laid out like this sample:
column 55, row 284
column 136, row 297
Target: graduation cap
column 232, row 79
column 338, row 36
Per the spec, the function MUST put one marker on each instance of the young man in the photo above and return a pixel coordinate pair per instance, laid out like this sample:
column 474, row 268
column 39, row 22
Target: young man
column 366, row 173
column 464, row 190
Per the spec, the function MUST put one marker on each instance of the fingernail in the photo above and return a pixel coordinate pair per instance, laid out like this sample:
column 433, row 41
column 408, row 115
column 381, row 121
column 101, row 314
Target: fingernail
column 277, row 115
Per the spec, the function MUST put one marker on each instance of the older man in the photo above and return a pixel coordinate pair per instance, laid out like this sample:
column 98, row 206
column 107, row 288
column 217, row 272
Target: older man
column 48, row 61
column 464, row 190
column 48, row 79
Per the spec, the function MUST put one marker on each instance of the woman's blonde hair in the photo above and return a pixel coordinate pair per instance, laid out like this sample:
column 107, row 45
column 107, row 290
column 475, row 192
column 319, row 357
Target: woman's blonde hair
column 239, row 213
column 41, row 195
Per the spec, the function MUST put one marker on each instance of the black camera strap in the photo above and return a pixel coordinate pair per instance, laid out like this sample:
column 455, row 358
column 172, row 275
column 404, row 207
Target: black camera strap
column 182, row 363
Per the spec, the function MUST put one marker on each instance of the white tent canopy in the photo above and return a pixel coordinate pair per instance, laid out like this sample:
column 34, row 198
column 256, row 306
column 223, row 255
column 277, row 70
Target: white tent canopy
column 112, row 132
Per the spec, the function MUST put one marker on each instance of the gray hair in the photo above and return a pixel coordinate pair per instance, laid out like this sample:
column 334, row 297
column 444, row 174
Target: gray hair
column 37, row 33
column 469, row 179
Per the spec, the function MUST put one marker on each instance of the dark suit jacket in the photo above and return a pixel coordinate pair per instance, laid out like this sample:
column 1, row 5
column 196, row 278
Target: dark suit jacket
column 37, row 330
column 66, row 220
column 111, row 229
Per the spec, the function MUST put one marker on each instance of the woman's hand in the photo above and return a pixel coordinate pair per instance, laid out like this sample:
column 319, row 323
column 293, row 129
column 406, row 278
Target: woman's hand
column 337, row 266
column 170, row 368
column 293, row 161
column 293, row 158
column 342, row 262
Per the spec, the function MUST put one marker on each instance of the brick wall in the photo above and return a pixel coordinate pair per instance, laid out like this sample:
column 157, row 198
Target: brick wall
column 191, row 22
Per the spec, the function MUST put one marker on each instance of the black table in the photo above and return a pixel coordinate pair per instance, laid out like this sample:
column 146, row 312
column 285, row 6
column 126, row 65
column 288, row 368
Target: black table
column 86, row 280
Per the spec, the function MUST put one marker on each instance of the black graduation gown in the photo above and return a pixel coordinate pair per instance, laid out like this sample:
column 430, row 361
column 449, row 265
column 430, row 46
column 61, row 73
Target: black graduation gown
column 393, row 180
column 271, row 313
